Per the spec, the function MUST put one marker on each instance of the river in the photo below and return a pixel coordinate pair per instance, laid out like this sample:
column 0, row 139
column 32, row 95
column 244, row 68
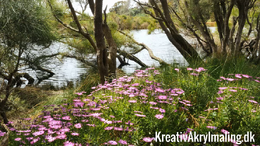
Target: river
column 70, row 69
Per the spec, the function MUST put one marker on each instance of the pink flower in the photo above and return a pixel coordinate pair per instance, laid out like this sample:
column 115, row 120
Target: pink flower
column 50, row 138
column 79, row 93
column 75, row 134
column 162, row 97
column 129, row 123
column 122, row 142
column 222, row 88
column 188, row 104
column 148, row 139
column 224, row 131
column 212, row 127
column 109, row 128
column 162, row 110
column 96, row 114
column 177, row 69
column 67, row 143
column 105, row 121
column 154, row 108
column 232, row 90
column 132, row 101
column 64, row 129
column 189, row 130
column 246, row 76
column 194, row 74
column 139, row 115
column 61, row 136
column 66, row 118
column 159, row 116
column 238, row 76
column 230, row 79
column 84, row 121
column 189, row 68
column 111, row 142
column 118, row 128
column 200, row 69
column 220, row 98
column 138, row 112
column 2, row 133
column 131, row 95
column 159, row 90
column 112, row 116
column 17, row 139
column 152, row 103
column 78, row 103
column 252, row 101
column 38, row 133
column 78, row 125
column 92, row 125
column 34, row 141
column 135, row 84
column 187, row 101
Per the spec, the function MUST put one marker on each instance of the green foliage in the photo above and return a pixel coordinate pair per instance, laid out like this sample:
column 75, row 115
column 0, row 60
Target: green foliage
column 223, row 66
column 91, row 80
column 23, row 23
column 59, row 9
column 132, row 108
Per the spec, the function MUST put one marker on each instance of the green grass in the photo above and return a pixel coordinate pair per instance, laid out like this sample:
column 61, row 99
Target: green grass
column 209, row 98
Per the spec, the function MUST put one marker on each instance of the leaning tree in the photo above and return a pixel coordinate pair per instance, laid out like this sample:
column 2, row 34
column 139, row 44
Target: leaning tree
column 23, row 26
column 236, row 20
column 99, row 36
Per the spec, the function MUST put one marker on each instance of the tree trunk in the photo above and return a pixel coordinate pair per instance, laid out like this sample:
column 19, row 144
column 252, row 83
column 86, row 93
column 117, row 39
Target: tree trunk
column 111, row 52
column 3, row 115
column 166, row 23
column 242, row 20
column 100, row 41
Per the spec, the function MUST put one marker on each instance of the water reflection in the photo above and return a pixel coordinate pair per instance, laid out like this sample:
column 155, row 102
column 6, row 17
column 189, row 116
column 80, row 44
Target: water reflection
column 70, row 69
column 161, row 47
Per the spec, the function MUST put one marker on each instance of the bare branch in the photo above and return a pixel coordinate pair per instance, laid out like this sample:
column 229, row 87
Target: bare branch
column 75, row 17
column 145, row 47
column 148, row 12
column 61, row 22
column 122, row 62
column 131, row 57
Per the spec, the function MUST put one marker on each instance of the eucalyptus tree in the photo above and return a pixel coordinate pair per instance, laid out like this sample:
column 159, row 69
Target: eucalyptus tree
column 23, row 26
column 99, row 35
column 235, row 21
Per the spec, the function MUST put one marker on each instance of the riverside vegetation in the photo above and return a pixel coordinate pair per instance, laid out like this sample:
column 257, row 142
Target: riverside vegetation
column 218, row 97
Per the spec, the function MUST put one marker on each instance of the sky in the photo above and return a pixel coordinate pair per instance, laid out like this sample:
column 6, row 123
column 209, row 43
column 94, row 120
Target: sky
column 108, row 3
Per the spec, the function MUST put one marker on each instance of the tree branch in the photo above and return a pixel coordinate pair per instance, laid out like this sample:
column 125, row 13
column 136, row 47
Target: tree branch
column 92, row 6
column 122, row 62
column 131, row 57
column 144, row 47
column 61, row 22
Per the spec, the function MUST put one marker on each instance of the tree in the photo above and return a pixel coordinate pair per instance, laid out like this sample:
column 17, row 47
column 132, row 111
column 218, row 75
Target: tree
column 192, row 16
column 100, row 38
column 23, row 26
column 106, row 65
column 170, row 29
column 121, row 7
